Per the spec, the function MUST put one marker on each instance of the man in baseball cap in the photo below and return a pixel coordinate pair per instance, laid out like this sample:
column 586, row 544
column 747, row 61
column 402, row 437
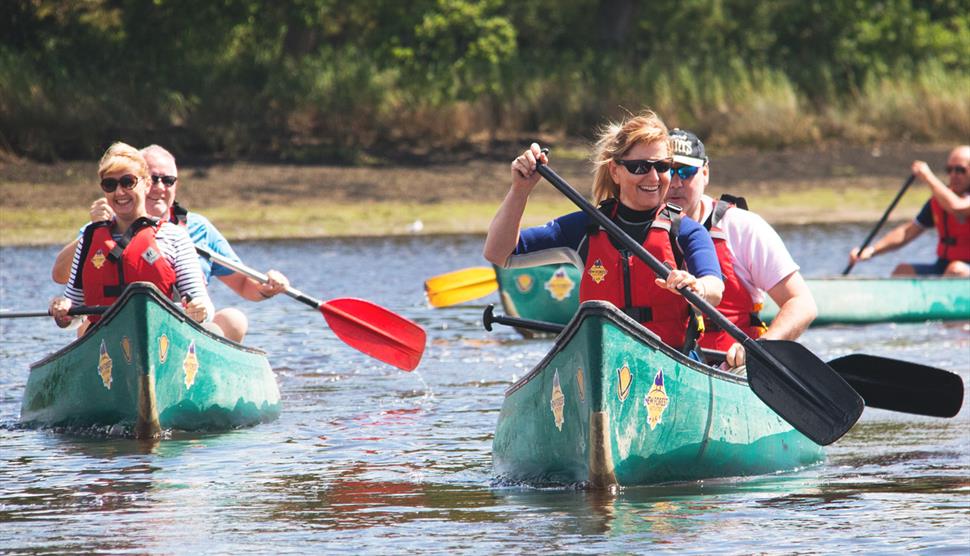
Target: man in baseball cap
column 754, row 260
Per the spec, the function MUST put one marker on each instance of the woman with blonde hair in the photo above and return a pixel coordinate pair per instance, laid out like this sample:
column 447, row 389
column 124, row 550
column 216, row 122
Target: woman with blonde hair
column 131, row 247
column 632, row 162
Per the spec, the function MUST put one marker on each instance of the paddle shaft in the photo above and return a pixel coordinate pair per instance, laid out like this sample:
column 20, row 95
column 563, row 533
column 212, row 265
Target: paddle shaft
column 258, row 276
column 662, row 272
column 823, row 409
column 78, row 310
column 882, row 221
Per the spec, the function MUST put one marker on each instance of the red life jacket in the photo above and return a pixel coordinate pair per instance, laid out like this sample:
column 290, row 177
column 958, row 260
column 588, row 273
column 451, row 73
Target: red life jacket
column 108, row 266
column 736, row 303
column 618, row 276
column 954, row 242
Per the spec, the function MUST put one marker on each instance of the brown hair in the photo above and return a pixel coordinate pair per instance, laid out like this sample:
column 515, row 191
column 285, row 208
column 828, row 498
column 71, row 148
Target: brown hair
column 615, row 139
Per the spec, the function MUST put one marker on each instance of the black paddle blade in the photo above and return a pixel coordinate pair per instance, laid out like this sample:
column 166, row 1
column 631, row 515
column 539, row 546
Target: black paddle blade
column 803, row 390
column 902, row 386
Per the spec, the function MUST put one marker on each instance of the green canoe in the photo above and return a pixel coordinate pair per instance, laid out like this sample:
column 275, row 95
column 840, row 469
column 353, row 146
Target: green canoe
column 548, row 293
column 147, row 366
column 611, row 405
column 528, row 293
column 872, row 300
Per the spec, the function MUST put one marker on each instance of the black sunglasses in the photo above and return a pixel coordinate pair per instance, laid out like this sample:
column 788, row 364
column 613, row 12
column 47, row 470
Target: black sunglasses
column 956, row 169
column 127, row 181
column 167, row 181
column 640, row 167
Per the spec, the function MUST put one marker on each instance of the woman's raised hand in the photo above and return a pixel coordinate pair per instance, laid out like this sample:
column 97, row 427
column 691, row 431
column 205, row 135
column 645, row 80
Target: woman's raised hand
column 524, row 175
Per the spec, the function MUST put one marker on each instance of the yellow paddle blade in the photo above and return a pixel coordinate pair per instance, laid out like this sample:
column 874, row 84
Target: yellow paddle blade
column 460, row 286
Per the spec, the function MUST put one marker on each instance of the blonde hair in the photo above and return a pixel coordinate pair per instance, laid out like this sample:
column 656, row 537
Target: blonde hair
column 615, row 139
column 123, row 156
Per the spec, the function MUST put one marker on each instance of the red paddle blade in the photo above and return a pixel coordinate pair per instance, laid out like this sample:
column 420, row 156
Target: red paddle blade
column 376, row 331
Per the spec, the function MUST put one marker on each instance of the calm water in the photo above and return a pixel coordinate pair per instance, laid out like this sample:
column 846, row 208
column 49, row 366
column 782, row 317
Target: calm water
column 366, row 458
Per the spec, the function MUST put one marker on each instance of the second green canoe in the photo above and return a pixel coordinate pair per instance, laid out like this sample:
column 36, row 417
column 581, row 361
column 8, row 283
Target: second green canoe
column 148, row 367
column 551, row 293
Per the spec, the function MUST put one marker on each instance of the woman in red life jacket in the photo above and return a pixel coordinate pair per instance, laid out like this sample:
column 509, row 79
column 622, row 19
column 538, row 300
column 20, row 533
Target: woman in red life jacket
column 753, row 257
column 632, row 175
column 131, row 247
column 948, row 210
column 160, row 203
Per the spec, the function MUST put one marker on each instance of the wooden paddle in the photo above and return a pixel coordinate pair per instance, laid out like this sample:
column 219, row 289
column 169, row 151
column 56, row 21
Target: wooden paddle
column 882, row 382
column 364, row 326
column 885, row 215
column 815, row 399
column 76, row 310
column 460, row 286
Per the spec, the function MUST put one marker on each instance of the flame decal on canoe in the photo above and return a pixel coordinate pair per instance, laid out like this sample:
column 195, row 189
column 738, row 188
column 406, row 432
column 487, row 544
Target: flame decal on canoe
column 104, row 365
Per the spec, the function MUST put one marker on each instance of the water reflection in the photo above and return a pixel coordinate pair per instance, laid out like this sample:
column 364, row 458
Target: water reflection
column 366, row 458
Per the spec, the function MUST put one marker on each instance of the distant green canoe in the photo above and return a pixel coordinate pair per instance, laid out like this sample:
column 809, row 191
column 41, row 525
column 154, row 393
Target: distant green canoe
column 147, row 366
column 549, row 292
column 528, row 293
column 872, row 300
column 611, row 405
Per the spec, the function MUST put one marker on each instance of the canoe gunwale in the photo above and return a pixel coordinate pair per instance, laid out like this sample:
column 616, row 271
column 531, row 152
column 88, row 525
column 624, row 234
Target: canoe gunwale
column 147, row 289
column 608, row 311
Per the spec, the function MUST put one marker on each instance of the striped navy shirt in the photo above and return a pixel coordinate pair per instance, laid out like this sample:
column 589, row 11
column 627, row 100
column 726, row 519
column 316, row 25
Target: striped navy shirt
column 177, row 248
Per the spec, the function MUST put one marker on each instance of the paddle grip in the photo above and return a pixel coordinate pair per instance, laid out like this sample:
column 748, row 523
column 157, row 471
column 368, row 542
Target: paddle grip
column 489, row 317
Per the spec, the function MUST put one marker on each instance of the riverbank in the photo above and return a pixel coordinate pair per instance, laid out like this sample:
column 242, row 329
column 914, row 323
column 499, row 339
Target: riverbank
column 46, row 203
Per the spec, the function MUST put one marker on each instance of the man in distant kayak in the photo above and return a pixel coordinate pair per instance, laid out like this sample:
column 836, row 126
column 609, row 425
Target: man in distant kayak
column 753, row 257
column 160, row 203
column 948, row 210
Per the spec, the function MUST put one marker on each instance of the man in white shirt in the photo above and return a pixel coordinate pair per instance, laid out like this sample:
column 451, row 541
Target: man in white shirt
column 761, row 263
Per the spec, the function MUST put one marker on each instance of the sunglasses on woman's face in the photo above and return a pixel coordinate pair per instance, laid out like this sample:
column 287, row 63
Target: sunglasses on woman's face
column 640, row 167
column 127, row 181
column 167, row 181
column 956, row 169
column 685, row 172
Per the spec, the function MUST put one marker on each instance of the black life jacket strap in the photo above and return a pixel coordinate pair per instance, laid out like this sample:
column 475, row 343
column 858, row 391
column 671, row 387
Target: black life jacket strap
column 179, row 214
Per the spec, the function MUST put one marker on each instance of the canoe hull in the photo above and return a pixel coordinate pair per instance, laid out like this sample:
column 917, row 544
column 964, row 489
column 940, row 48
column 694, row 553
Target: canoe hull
column 610, row 405
column 873, row 300
column 148, row 367
column 525, row 294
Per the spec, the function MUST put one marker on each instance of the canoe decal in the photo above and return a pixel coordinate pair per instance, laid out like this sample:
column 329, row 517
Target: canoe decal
column 104, row 365
column 581, row 385
column 126, row 348
column 558, row 401
column 524, row 283
column 162, row 348
column 656, row 400
column 624, row 380
column 98, row 259
column 559, row 285
column 190, row 365
column 597, row 272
